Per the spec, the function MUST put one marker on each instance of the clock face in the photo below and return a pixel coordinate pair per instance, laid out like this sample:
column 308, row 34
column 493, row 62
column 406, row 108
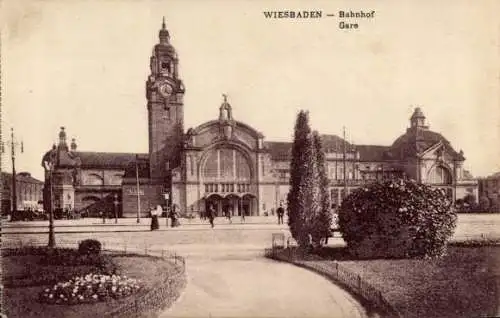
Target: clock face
column 166, row 89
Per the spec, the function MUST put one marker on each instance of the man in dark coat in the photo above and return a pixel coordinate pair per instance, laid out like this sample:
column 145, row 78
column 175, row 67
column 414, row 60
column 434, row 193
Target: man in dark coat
column 280, row 211
column 211, row 215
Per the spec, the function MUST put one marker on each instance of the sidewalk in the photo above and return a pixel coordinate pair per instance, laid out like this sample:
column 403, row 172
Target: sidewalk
column 143, row 221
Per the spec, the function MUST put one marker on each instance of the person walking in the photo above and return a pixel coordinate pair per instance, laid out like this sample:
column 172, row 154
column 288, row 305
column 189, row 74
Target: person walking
column 229, row 213
column 174, row 216
column 280, row 211
column 155, row 225
column 211, row 215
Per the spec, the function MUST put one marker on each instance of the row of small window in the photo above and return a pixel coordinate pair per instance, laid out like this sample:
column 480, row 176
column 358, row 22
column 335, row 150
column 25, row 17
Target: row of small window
column 227, row 187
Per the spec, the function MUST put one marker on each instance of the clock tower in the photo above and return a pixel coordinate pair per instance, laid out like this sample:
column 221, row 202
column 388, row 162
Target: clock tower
column 164, row 93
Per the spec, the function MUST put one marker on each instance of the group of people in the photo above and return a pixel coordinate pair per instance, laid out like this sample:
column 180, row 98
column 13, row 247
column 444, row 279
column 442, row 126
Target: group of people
column 211, row 214
column 158, row 211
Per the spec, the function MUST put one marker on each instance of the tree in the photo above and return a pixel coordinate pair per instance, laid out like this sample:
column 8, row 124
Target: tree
column 494, row 205
column 484, row 204
column 301, row 177
column 397, row 218
column 308, row 199
column 471, row 203
column 322, row 219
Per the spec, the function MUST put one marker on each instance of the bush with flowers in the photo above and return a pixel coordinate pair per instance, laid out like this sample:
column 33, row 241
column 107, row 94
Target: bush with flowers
column 397, row 219
column 90, row 288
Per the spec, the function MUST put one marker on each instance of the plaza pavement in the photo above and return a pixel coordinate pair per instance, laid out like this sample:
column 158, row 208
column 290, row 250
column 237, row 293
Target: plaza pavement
column 468, row 226
column 260, row 288
column 227, row 273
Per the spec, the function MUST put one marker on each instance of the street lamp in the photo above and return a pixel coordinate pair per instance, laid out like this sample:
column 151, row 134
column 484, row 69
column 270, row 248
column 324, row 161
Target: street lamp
column 49, row 166
column 116, row 207
column 13, row 145
column 167, row 200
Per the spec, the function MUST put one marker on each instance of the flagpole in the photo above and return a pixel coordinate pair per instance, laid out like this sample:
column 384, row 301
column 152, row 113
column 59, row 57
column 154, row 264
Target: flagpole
column 345, row 167
column 138, row 195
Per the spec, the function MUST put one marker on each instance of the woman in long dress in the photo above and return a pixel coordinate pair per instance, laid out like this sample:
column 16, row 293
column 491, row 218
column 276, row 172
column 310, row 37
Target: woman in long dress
column 155, row 225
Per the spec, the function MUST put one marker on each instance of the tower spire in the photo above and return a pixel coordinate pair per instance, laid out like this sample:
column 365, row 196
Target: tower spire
column 163, row 34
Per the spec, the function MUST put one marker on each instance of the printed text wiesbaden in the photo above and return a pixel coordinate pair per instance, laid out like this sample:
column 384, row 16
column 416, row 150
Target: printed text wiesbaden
column 293, row 14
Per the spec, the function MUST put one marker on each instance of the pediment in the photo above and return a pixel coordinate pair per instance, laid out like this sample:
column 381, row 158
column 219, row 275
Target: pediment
column 216, row 131
column 438, row 151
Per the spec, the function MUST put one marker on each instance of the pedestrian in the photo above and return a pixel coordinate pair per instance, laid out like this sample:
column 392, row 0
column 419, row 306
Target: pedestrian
column 280, row 211
column 211, row 215
column 174, row 214
column 229, row 212
column 155, row 225
column 242, row 215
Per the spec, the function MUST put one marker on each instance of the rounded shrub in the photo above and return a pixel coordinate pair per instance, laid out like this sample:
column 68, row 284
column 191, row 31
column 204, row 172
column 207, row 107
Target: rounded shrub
column 89, row 246
column 397, row 219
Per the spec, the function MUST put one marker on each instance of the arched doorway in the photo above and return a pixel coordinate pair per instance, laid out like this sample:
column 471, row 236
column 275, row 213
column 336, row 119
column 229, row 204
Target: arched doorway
column 248, row 205
column 233, row 203
column 440, row 175
column 214, row 200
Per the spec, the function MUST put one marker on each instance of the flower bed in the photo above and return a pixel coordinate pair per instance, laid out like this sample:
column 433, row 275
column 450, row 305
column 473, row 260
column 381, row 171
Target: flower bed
column 48, row 266
column 90, row 288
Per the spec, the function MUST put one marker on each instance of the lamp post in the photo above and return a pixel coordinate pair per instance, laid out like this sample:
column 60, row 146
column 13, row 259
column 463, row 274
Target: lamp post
column 116, row 207
column 13, row 145
column 138, row 189
column 49, row 166
column 167, row 197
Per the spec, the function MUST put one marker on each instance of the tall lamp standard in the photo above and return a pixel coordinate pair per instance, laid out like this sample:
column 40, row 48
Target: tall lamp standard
column 49, row 166
column 116, row 207
column 167, row 200
column 13, row 145
column 138, row 189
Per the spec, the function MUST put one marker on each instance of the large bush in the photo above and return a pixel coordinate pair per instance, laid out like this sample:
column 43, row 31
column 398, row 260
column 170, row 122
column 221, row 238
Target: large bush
column 396, row 219
column 89, row 246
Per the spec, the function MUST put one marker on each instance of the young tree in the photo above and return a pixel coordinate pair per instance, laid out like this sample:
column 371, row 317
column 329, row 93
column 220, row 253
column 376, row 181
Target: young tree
column 322, row 218
column 299, row 197
column 308, row 199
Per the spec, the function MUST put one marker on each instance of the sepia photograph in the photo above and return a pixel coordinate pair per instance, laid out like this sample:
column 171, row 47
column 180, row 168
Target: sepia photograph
column 263, row 158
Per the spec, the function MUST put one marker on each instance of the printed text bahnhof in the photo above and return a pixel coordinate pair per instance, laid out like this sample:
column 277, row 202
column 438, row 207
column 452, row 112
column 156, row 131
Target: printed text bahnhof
column 317, row 14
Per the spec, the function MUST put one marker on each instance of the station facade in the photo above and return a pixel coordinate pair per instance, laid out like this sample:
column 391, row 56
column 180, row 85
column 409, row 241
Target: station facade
column 228, row 164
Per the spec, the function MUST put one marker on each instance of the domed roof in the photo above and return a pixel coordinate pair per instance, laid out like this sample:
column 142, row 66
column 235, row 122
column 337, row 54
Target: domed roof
column 415, row 141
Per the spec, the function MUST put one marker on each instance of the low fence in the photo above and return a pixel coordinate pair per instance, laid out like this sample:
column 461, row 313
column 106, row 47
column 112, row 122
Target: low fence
column 161, row 295
column 338, row 273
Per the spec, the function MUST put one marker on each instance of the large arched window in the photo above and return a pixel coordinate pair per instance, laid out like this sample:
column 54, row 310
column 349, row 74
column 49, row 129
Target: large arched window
column 440, row 175
column 226, row 164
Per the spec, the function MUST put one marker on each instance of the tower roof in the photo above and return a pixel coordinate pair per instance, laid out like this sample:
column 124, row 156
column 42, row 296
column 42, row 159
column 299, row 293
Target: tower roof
column 163, row 34
column 417, row 113
column 62, row 133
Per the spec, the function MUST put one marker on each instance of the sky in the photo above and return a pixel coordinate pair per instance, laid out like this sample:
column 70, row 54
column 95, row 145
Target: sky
column 83, row 65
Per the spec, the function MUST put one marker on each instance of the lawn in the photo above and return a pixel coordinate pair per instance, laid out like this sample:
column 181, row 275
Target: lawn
column 464, row 283
column 23, row 301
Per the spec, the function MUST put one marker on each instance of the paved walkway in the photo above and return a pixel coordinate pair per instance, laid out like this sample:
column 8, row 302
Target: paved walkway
column 259, row 288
